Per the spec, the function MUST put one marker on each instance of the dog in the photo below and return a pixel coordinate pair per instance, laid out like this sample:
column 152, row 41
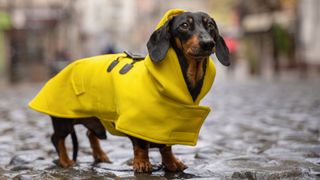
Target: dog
column 180, row 46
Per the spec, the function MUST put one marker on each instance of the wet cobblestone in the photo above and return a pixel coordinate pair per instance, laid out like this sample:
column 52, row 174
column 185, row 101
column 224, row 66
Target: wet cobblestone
column 257, row 130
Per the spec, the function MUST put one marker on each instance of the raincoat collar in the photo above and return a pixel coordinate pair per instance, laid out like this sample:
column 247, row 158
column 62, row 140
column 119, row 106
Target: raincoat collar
column 174, row 86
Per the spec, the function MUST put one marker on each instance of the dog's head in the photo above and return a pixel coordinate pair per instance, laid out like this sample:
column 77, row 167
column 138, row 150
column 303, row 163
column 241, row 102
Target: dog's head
column 196, row 34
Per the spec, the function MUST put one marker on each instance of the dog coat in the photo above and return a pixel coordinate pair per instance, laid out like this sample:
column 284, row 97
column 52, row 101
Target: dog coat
column 138, row 98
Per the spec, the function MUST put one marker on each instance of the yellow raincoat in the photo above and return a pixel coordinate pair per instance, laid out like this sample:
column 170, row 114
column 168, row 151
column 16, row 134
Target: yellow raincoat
column 150, row 101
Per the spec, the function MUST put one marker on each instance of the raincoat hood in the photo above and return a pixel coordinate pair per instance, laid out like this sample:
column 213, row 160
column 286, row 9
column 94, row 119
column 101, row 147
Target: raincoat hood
column 150, row 101
column 176, row 87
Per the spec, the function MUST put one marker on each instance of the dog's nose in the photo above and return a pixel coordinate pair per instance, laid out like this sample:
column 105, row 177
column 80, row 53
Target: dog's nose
column 207, row 44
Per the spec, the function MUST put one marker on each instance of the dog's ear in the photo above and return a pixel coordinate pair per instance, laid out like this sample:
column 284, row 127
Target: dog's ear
column 159, row 43
column 222, row 51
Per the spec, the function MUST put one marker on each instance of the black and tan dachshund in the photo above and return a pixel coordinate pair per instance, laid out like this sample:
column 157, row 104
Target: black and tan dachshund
column 194, row 37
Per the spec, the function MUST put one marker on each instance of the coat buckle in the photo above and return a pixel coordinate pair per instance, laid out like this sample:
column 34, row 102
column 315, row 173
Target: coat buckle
column 126, row 68
column 134, row 56
column 113, row 64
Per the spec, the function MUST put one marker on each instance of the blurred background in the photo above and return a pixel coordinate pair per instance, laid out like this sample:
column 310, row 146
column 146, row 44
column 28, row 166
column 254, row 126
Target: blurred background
column 266, row 38
column 265, row 107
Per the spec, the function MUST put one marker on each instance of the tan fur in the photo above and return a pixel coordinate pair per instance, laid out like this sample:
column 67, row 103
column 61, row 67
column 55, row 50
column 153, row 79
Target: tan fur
column 178, row 43
column 64, row 160
column 195, row 66
column 98, row 154
column 195, row 71
column 170, row 161
column 141, row 161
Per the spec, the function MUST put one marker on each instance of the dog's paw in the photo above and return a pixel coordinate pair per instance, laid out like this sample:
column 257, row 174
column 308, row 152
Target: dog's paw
column 174, row 165
column 101, row 157
column 142, row 166
column 66, row 163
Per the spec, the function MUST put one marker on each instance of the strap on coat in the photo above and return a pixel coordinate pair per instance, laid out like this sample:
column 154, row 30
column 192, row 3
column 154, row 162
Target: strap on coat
column 126, row 68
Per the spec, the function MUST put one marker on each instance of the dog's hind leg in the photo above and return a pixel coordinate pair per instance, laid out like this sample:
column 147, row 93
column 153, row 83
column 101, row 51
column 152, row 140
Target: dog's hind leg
column 95, row 132
column 64, row 160
column 98, row 154
column 170, row 162
column 62, row 128
column 59, row 144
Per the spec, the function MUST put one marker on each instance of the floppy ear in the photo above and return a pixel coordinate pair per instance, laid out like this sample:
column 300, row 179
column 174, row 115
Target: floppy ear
column 159, row 43
column 222, row 51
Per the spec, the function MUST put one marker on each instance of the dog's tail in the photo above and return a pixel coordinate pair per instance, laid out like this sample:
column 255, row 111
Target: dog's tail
column 75, row 146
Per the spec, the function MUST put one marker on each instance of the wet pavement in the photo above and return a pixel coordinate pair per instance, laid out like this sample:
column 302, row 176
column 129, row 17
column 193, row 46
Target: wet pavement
column 257, row 130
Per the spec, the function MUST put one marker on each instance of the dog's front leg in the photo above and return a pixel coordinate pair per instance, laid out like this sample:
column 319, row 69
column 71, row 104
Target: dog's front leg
column 141, row 161
column 170, row 162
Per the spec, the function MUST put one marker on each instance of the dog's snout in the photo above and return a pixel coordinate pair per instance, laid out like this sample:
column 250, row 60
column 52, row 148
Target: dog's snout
column 207, row 44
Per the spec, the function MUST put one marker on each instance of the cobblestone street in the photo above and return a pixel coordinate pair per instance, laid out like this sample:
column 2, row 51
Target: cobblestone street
column 257, row 130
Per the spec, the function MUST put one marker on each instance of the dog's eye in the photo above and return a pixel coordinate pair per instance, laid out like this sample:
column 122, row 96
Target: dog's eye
column 184, row 26
column 210, row 25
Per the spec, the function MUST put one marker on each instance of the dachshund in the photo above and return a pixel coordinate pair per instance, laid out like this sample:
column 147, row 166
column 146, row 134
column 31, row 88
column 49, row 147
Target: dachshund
column 194, row 37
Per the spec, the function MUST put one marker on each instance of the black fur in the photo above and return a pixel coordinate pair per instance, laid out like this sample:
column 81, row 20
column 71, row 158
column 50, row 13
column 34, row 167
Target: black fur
column 63, row 127
column 160, row 39
column 159, row 43
column 222, row 51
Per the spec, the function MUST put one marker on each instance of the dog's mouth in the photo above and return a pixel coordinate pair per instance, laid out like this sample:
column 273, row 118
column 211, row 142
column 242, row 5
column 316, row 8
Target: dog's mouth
column 199, row 55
